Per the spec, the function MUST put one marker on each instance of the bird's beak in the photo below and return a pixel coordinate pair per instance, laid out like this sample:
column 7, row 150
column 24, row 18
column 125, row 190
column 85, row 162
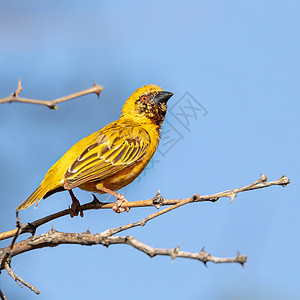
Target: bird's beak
column 162, row 97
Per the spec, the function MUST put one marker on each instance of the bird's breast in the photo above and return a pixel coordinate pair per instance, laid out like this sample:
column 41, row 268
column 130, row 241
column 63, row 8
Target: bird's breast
column 125, row 176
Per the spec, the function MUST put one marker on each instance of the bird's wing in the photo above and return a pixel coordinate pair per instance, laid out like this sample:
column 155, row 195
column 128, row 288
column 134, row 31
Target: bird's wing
column 116, row 148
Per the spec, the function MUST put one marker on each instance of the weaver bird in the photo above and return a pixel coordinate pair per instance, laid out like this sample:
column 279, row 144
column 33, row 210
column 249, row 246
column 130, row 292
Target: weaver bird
column 111, row 158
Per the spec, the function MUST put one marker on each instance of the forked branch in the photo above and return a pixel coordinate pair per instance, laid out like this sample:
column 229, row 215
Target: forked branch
column 156, row 201
column 2, row 296
column 15, row 97
column 18, row 279
column 54, row 238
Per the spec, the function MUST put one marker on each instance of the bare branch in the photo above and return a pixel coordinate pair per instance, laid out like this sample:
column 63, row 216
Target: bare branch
column 14, row 97
column 19, row 89
column 8, row 234
column 7, row 254
column 110, row 232
column 53, row 238
column 2, row 296
column 18, row 279
column 156, row 201
column 175, row 252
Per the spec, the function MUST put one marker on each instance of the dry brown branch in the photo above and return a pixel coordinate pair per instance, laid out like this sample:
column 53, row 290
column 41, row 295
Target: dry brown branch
column 156, row 201
column 14, row 97
column 7, row 254
column 54, row 238
column 19, row 89
column 2, row 296
column 18, row 279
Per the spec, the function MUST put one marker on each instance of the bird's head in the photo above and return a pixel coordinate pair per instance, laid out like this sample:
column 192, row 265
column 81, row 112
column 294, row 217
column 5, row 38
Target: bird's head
column 147, row 104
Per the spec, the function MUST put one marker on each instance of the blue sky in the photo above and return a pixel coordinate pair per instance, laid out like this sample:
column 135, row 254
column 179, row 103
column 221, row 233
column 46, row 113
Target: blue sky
column 239, row 61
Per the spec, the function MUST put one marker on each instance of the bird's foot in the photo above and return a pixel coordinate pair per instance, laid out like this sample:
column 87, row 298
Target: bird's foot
column 75, row 208
column 120, row 199
column 117, row 206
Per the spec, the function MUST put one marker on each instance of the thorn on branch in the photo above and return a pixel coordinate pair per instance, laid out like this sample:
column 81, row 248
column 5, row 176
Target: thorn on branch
column 203, row 256
column 214, row 199
column 95, row 199
column 283, row 177
column 30, row 228
column 263, row 178
column 105, row 242
column 232, row 196
column 97, row 91
column 52, row 230
column 158, row 200
column 19, row 89
column 241, row 259
column 143, row 222
column 175, row 253
column 195, row 197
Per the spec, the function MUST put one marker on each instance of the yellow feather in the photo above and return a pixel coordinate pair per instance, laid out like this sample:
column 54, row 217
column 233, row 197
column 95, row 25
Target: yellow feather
column 111, row 157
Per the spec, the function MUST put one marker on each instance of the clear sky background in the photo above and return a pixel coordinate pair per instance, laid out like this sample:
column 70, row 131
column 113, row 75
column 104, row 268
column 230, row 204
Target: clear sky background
column 239, row 60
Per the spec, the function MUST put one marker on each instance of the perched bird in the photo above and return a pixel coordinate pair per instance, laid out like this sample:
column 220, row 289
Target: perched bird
column 112, row 157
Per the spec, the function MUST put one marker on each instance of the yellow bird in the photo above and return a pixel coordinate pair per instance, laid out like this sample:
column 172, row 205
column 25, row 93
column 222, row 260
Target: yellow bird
column 112, row 157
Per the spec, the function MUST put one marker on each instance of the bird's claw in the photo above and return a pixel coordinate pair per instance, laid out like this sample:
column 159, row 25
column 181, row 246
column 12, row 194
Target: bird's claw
column 75, row 206
column 117, row 206
column 76, row 209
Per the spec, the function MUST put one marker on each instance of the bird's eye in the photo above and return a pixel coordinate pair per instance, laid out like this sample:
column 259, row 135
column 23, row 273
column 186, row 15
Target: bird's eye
column 144, row 98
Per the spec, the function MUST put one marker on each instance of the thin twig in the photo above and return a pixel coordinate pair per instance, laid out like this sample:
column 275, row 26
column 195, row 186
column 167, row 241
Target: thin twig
column 19, row 89
column 156, row 201
column 175, row 252
column 2, row 296
column 18, row 279
column 14, row 97
column 110, row 232
column 53, row 238
column 7, row 254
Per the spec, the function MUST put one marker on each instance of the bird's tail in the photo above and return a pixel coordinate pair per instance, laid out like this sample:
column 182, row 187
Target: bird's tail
column 36, row 196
